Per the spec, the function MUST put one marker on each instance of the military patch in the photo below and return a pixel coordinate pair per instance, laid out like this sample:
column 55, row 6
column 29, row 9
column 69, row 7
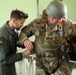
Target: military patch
column 10, row 38
column 1, row 41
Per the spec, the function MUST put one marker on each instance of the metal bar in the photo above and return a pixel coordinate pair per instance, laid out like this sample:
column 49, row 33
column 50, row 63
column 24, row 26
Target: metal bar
column 37, row 8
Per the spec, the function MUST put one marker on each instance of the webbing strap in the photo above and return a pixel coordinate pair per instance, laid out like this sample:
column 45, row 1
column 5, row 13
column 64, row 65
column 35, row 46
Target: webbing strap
column 61, row 35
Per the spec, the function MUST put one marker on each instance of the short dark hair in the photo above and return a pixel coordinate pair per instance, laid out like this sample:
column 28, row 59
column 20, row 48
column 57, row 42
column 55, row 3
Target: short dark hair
column 17, row 14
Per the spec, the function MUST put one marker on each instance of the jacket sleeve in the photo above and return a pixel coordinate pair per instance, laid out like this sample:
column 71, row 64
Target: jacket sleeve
column 26, row 32
column 34, row 28
column 6, row 57
column 70, row 31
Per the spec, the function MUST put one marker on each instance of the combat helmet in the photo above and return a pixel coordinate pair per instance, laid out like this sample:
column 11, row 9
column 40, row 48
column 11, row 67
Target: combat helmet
column 57, row 9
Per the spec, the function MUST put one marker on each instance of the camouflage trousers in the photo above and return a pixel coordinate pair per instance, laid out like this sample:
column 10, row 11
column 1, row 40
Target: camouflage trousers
column 62, row 70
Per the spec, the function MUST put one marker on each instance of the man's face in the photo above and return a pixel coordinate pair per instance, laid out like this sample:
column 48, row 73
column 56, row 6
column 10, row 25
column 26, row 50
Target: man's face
column 54, row 20
column 18, row 23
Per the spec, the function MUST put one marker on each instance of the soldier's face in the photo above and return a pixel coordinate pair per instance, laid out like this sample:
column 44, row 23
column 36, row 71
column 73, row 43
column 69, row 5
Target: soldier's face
column 18, row 23
column 54, row 20
column 57, row 20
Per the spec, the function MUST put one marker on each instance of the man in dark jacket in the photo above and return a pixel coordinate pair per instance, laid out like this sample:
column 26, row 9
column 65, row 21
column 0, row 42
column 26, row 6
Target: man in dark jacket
column 8, row 43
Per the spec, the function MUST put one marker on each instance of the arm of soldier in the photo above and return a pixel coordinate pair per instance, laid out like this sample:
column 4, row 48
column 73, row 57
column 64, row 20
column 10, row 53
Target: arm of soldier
column 74, row 32
column 26, row 32
column 70, row 31
column 24, row 41
column 21, row 39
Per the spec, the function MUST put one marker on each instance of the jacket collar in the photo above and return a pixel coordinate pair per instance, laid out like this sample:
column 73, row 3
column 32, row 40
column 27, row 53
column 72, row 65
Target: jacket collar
column 8, row 28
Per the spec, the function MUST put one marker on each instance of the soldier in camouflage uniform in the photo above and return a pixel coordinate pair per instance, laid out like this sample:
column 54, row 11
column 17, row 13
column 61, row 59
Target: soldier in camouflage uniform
column 51, row 37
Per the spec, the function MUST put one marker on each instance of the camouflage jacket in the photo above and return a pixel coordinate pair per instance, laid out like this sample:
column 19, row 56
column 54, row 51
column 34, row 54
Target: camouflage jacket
column 41, row 27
